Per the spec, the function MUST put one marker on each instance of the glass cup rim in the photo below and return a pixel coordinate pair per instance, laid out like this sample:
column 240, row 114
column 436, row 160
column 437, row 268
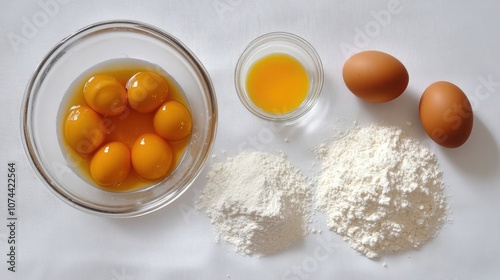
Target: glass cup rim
column 298, row 43
column 37, row 79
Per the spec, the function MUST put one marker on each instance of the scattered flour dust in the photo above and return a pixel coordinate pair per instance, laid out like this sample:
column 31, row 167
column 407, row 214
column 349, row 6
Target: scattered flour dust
column 381, row 190
column 257, row 202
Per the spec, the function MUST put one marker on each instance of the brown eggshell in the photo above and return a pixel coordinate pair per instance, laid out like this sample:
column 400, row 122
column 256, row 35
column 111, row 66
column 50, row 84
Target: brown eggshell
column 446, row 114
column 375, row 76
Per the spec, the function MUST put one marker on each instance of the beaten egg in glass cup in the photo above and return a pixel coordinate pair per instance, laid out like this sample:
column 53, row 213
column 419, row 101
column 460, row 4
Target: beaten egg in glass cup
column 279, row 77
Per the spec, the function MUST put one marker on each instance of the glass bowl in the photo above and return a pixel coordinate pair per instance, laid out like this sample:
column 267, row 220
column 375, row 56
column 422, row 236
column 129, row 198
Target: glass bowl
column 284, row 43
column 82, row 50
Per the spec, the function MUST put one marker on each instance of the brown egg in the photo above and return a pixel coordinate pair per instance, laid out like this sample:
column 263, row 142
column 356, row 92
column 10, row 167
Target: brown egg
column 446, row 114
column 375, row 76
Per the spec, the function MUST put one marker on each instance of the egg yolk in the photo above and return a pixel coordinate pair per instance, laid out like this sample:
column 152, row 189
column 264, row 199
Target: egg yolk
column 173, row 121
column 277, row 83
column 151, row 156
column 84, row 130
column 146, row 91
column 119, row 150
column 111, row 164
column 105, row 95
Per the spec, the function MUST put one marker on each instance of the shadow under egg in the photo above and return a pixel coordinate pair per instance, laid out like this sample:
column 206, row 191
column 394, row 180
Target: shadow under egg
column 479, row 156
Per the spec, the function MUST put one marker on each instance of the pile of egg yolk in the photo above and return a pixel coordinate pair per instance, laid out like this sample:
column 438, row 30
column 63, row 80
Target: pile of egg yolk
column 136, row 129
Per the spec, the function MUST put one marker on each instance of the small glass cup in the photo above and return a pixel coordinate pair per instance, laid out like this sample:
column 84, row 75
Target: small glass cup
column 280, row 43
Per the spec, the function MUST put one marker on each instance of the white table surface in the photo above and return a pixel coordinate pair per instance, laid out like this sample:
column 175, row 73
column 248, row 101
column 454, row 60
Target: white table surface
column 456, row 41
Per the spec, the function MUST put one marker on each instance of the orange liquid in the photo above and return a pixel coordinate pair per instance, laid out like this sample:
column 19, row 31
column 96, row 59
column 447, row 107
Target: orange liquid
column 126, row 127
column 277, row 83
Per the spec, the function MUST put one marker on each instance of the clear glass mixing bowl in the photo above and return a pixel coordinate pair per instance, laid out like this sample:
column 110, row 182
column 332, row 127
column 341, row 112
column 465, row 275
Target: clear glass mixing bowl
column 80, row 51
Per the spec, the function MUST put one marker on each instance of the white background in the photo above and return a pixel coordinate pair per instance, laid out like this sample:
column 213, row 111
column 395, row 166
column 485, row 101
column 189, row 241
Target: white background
column 456, row 41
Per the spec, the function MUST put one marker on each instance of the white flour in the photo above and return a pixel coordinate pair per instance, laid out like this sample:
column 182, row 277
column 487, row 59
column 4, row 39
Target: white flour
column 380, row 190
column 257, row 202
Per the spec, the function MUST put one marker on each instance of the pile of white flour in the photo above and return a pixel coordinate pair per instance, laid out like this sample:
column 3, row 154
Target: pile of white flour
column 380, row 190
column 257, row 202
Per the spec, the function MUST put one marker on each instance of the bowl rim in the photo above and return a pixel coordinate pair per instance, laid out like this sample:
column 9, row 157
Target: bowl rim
column 299, row 43
column 26, row 130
